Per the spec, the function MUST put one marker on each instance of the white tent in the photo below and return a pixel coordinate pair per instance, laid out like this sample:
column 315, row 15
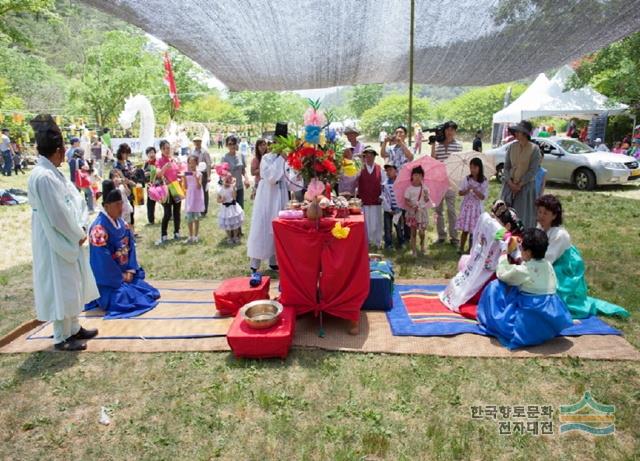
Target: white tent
column 547, row 98
column 530, row 98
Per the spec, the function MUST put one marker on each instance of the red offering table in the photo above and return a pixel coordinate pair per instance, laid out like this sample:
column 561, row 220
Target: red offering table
column 319, row 272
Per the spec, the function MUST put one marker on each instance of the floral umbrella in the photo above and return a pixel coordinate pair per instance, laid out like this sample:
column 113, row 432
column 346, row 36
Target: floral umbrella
column 458, row 166
column 435, row 178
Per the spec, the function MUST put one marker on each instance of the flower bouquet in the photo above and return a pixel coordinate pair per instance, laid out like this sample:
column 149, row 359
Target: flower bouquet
column 318, row 156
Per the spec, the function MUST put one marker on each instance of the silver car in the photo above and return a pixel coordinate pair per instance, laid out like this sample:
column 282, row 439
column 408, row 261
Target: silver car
column 570, row 161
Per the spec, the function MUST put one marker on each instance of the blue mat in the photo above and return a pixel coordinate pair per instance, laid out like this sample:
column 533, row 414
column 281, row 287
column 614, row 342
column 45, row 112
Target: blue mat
column 417, row 311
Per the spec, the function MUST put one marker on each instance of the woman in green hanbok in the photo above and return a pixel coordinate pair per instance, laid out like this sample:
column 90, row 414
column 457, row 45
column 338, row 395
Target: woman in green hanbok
column 568, row 264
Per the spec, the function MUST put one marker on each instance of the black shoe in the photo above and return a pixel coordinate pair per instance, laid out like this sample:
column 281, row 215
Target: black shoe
column 274, row 268
column 83, row 333
column 70, row 345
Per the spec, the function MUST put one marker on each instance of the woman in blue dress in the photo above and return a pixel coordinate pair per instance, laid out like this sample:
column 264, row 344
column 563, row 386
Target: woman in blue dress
column 120, row 280
column 522, row 308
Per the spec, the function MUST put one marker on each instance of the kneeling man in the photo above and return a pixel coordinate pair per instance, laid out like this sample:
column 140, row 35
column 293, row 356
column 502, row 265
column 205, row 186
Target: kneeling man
column 123, row 291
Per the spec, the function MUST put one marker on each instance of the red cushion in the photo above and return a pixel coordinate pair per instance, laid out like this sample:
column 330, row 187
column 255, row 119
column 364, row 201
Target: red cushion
column 234, row 293
column 270, row 342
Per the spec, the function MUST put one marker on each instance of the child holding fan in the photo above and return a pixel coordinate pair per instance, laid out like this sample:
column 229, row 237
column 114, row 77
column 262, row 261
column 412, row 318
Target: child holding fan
column 474, row 189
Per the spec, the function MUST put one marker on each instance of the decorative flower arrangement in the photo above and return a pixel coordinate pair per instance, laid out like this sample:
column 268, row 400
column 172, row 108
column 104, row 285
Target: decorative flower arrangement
column 318, row 157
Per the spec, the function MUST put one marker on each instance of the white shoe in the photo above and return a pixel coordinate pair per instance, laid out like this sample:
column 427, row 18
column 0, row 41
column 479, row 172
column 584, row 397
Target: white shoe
column 164, row 239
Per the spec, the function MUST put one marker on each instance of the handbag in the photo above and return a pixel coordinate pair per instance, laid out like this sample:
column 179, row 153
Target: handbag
column 83, row 179
column 176, row 191
column 138, row 194
column 158, row 193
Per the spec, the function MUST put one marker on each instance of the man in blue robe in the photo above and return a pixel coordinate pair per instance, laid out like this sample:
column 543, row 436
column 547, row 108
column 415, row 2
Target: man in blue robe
column 120, row 280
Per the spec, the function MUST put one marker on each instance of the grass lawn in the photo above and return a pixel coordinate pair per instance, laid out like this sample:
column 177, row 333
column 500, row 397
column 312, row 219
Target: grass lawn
column 314, row 405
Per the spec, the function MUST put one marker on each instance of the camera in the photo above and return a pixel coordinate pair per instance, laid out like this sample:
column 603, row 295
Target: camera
column 439, row 134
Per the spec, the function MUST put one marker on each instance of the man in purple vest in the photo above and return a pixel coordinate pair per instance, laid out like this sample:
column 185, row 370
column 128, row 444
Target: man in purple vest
column 370, row 191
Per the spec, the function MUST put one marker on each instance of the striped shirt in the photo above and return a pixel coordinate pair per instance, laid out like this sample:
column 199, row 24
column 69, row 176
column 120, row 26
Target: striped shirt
column 443, row 151
column 389, row 202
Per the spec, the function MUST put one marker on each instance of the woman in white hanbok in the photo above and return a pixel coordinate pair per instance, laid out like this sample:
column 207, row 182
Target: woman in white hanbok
column 271, row 197
column 62, row 279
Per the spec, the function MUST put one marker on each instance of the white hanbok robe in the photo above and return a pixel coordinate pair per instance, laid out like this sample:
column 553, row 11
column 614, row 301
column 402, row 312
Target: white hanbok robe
column 271, row 197
column 62, row 279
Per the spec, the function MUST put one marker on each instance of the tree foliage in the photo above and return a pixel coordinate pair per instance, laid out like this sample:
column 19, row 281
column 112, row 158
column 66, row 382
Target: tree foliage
column 363, row 97
column 12, row 9
column 392, row 111
column 212, row 108
column 614, row 71
column 32, row 80
column 474, row 110
column 268, row 107
column 114, row 70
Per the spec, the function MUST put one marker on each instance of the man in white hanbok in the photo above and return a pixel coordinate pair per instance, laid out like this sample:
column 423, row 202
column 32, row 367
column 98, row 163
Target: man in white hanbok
column 271, row 197
column 62, row 279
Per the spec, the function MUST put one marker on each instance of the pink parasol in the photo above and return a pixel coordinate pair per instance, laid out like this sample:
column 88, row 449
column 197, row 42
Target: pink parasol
column 435, row 178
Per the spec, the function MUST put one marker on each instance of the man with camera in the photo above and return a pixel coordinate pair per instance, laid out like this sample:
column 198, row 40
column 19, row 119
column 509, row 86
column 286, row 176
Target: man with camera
column 445, row 144
column 397, row 153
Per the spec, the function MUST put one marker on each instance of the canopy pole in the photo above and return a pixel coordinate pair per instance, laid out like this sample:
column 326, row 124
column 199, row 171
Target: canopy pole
column 411, row 40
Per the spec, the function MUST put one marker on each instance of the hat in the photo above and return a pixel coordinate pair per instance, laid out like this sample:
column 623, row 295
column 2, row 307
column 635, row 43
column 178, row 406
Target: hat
column 350, row 130
column 389, row 165
column 197, row 138
column 522, row 127
column 598, row 140
column 74, row 139
column 369, row 150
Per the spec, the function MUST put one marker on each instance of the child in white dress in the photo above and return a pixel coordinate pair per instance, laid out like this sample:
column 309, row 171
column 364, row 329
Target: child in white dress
column 230, row 214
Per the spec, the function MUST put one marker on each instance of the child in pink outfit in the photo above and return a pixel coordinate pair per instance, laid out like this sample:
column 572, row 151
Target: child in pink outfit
column 474, row 189
column 194, row 203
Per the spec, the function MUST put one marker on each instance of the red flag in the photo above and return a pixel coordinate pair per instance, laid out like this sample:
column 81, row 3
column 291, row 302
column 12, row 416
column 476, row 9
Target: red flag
column 170, row 81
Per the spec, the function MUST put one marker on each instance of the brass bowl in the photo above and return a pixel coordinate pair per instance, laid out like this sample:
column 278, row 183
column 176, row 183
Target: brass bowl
column 260, row 314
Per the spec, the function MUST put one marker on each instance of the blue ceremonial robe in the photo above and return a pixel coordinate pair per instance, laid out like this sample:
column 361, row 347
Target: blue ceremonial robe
column 521, row 319
column 112, row 253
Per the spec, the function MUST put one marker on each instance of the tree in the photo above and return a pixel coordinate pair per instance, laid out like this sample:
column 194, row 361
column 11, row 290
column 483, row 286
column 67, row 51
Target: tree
column 11, row 9
column 212, row 108
column 392, row 111
column 614, row 71
column 32, row 80
column 474, row 110
column 114, row 70
column 268, row 107
column 363, row 97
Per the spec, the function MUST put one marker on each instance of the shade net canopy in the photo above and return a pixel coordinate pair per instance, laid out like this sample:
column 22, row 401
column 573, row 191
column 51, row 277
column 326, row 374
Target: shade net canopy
column 301, row 44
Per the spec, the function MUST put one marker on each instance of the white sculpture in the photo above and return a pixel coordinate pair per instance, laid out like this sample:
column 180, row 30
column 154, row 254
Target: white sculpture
column 133, row 106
